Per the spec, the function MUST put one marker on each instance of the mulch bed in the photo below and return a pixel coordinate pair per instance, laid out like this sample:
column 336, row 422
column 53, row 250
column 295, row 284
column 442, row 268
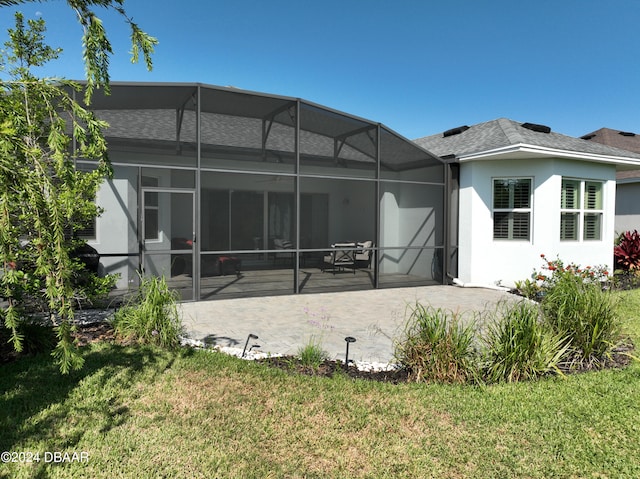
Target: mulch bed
column 328, row 368
column 103, row 331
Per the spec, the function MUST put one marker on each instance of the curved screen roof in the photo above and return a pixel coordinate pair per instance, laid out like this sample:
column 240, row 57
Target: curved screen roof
column 158, row 114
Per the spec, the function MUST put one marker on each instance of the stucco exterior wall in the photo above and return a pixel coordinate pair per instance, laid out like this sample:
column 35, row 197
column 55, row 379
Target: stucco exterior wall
column 486, row 261
column 116, row 227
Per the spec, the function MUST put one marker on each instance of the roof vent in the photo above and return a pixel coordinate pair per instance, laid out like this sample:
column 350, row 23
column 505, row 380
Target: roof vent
column 626, row 133
column 455, row 131
column 535, row 127
column 588, row 137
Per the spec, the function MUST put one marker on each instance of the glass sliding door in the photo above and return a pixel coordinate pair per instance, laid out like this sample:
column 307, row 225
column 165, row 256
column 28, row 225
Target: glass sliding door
column 247, row 223
column 246, row 214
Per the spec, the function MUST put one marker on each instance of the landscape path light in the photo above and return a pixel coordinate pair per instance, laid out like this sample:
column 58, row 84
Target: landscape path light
column 348, row 340
column 251, row 336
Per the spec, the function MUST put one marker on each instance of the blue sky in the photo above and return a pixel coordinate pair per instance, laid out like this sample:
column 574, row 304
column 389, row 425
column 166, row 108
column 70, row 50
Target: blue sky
column 419, row 67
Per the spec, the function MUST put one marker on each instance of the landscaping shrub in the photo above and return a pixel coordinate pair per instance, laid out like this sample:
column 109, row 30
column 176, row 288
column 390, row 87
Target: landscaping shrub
column 529, row 288
column 519, row 346
column 437, row 347
column 627, row 251
column 152, row 316
column 585, row 313
column 626, row 254
column 577, row 304
column 92, row 290
column 36, row 339
column 552, row 271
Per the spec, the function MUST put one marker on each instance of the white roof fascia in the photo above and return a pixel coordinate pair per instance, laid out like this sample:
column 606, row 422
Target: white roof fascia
column 535, row 150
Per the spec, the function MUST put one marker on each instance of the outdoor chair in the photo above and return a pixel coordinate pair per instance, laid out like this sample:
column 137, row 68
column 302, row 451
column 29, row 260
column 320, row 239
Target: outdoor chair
column 342, row 256
column 364, row 254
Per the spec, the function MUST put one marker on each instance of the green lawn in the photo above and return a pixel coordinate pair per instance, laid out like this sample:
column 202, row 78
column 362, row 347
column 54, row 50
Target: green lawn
column 142, row 412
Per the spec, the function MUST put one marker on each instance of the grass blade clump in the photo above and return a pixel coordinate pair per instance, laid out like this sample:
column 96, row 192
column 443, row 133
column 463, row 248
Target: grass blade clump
column 312, row 354
column 437, row 346
column 152, row 316
column 520, row 346
column 585, row 313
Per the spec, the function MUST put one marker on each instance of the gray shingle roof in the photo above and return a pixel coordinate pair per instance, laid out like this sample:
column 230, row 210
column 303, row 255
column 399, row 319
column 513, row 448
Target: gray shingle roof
column 502, row 133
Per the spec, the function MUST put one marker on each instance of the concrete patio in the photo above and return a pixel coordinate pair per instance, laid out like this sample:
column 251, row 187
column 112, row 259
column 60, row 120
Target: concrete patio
column 283, row 324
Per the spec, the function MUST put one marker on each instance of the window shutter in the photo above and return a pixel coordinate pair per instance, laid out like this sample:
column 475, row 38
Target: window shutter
column 520, row 226
column 570, row 193
column 592, row 195
column 522, row 194
column 511, row 194
column 501, row 194
column 592, row 228
column 501, row 225
column 569, row 226
column 581, row 210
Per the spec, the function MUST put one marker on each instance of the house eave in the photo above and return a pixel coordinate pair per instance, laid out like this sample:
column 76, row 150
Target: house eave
column 523, row 151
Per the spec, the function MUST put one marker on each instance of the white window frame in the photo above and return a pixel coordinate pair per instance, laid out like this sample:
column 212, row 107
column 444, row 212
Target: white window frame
column 512, row 210
column 147, row 207
column 581, row 211
column 90, row 233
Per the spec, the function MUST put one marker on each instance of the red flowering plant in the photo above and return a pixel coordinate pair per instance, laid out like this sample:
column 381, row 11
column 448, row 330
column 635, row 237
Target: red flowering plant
column 553, row 271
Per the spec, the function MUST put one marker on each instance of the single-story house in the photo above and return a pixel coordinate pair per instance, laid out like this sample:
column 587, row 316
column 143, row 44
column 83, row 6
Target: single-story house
column 235, row 193
column 628, row 181
column 524, row 191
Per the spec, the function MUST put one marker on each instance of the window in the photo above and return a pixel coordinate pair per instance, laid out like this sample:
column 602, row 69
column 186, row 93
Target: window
column 88, row 231
column 581, row 210
column 151, row 219
column 512, row 208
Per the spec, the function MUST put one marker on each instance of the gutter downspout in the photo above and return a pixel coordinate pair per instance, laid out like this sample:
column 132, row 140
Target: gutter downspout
column 458, row 282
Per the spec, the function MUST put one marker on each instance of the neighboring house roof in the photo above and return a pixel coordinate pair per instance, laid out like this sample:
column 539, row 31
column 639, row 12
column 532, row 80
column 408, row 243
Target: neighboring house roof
column 618, row 139
column 508, row 139
column 625, row 140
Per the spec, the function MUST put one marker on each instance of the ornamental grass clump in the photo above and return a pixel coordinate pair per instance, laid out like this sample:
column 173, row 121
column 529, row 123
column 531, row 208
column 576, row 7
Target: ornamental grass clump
column 519, row 345
column 152, row 316
column 311, row 355
column 584, row 313
column 437, row 346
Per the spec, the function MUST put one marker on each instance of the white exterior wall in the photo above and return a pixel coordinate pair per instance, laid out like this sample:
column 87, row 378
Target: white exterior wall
column 627, row 207
column 486, row 261
column 116, row 228
column 408, row 217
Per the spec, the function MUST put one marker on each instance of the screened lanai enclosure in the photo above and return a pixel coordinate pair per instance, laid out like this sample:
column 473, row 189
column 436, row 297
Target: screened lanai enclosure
column 231, row 193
